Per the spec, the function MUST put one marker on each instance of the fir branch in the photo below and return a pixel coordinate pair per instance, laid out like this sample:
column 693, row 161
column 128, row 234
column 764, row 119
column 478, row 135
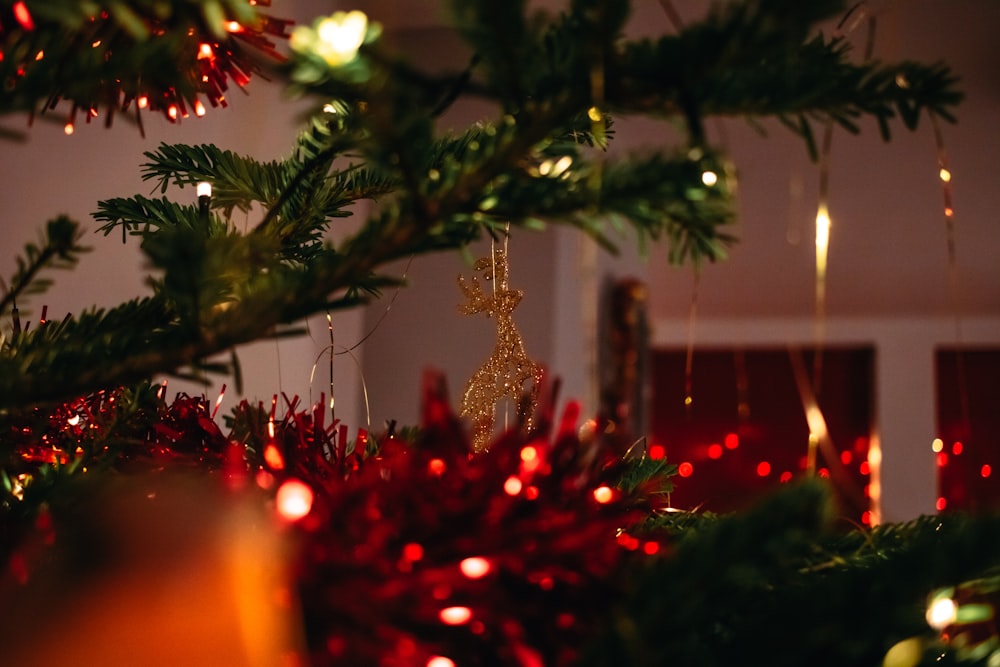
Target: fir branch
column 59, row 248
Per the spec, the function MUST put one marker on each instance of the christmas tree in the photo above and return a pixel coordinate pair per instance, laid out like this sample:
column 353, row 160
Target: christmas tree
column 128, row 516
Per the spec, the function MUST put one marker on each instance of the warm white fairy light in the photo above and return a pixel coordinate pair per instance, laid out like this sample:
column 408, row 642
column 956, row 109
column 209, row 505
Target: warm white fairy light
column 937, row 445
column 204, row 189
column 336, row 38
column 709, row 178
column 941, row 612
column 294, row 500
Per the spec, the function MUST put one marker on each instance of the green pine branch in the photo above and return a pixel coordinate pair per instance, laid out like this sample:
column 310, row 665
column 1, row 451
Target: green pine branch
column 58, row 248
column 540, row 161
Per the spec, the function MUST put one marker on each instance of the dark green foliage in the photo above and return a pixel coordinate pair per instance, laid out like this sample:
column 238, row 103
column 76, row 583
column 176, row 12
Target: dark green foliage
column 782, row 584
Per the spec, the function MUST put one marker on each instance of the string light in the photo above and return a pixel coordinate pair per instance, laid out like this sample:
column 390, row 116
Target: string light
column 440, row 661
column 475, row 567
column 603, row 494
column 294, row 500
column 941, row 612
column 512, row 486
column 455, row 615
column 335, row 38
column 23, row 16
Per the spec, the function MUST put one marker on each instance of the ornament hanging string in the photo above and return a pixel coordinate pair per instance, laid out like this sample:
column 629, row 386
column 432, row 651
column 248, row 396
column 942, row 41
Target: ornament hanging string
column 954, row 281
column 331, row 350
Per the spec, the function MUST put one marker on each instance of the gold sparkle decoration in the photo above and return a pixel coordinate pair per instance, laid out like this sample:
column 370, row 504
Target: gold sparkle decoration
column 508, row 368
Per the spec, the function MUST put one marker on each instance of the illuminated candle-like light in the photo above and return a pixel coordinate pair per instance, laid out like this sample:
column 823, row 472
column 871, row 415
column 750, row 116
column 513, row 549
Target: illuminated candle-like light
column 294, row 500
column 204, row 190
column 199, row 108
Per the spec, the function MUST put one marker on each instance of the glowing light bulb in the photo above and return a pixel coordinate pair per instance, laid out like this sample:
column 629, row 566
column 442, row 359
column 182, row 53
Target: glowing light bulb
column 475, row 567
column 204, row 189
column 294, row 500
column 685, row 469
column 941, row 613
column 763, row 469
column 937, row 445
column 512, row 486
column 23, row 16
column 529, row 453
column 199, row 108
column 561, row 165
column 709, row 178
column 273, row 457
column 142, row 102
column 336, row 39
column 68, row 128
column 173, row 112
column 944, row 175
column 440, row 661
column 205, row 51
column 413, row 552
column 603, row 494
column 74, row 420
column 985, row 471
column 455, row 615
column 715, row 451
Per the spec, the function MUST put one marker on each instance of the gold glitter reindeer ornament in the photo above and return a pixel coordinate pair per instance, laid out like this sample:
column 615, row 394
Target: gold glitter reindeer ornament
column 502, row 375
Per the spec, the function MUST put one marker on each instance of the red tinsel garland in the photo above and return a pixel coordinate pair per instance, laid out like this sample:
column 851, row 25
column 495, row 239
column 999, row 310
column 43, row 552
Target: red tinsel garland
column 411, row 553
column 36, row 50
